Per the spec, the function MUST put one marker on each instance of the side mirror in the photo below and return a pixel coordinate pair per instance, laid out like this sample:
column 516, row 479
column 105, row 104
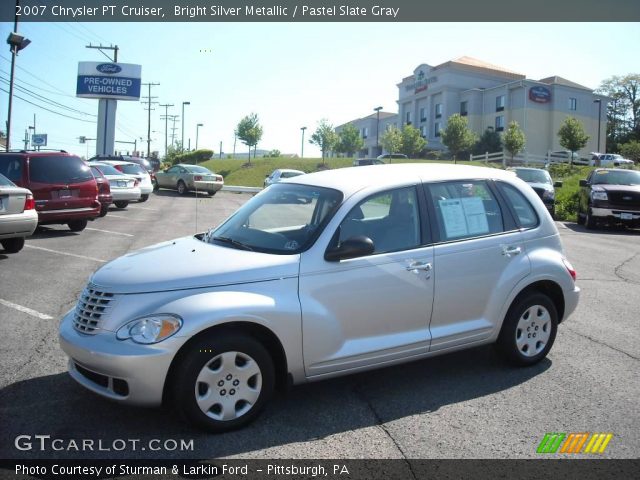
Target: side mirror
column 557, row 184
column 352, row 247
column 583, row 183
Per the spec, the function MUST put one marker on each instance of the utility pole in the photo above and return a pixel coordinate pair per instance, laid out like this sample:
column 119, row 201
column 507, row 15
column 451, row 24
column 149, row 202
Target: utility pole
column 220, row 154
column 149, row 102
column 166, row 118
column 173, row 118
column 111, row 47
column 26, row 139
column 302, row 149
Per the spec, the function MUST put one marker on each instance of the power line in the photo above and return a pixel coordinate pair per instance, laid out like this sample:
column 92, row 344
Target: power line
column 149, row 102
column 49, row 110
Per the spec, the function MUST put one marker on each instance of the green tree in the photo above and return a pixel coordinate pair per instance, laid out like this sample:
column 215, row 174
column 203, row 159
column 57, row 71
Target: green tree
column 456, row 136
column 623, row 111
column 324, row 137
column 391, row 140
column 572, row 136
column 412, row 141
column 490, row 141
column 514, row 139
column 350, row 140
column 249, row 131
column 631, row 150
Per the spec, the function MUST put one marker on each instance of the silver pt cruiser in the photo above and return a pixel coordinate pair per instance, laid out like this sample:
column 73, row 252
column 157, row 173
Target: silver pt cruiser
column 325, row 274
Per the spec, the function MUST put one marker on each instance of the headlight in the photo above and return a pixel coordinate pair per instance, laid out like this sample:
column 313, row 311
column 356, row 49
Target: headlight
column 548, row 195
column 599, row 195
column 151, row 329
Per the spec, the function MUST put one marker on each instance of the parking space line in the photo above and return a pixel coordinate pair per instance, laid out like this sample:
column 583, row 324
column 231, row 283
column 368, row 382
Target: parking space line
column 26, row 310
column 144, row 208
column 117, row 216
column 66, row 253
column 109, row 231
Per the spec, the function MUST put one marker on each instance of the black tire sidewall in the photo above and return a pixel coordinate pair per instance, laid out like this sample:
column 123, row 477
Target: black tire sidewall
column 121, row 203
column 203, row 351
column 77, row 225
column 12, row 245
column 184, row 189
column 507, row 339
column 144, row 197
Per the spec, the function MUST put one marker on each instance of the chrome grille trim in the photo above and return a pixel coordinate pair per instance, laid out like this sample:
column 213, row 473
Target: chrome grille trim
column 92, row 304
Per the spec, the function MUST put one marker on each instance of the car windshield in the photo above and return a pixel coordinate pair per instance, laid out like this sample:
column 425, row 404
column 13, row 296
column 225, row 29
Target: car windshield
column 283, row 219
column 132, row 169
column 197, row 169
column 533, row 176
column 616, row 177
column 290, row 174
column 108, row 169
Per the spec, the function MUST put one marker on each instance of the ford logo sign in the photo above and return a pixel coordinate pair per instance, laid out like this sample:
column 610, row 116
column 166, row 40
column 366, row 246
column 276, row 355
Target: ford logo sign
column 109, row 68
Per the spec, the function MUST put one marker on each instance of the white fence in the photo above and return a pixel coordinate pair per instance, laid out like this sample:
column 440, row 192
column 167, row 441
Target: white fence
column 528, row 159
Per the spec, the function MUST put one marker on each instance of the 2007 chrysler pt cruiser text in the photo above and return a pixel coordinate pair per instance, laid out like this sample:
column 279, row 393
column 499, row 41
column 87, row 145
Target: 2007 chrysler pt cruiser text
column 322, row 275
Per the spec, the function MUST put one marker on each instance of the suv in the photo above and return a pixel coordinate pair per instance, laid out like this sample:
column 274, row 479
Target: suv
column 63, row 186
column 610, row 195
column 610, row 160
column 541, row 182
column 322, row 275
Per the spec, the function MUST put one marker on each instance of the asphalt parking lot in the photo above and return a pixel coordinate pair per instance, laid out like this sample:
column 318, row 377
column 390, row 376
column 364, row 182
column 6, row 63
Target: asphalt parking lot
column 463, row 405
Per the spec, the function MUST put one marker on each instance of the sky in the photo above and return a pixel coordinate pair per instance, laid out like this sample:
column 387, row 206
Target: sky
column 290, row 74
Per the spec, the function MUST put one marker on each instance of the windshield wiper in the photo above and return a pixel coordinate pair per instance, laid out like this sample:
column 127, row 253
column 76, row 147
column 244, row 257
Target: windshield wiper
column 233, row 242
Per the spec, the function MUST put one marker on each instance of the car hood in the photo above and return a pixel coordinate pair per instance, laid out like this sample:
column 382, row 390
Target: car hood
column 617, row 188
column 187, row 263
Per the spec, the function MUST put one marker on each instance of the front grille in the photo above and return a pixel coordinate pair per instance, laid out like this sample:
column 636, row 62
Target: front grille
column 629, row 199
column 91, row 306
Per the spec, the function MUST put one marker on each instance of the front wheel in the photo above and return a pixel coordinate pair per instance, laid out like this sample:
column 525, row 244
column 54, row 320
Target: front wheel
column 13, row 245
column 529, row 329
column 589, row 221
column 144, row 197
column 121, row 203
column 77, row 225
column 223, row 382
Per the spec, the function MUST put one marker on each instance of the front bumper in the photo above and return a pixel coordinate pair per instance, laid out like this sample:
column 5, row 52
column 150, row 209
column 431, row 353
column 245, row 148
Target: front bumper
column 631, row 217
column 120, row 370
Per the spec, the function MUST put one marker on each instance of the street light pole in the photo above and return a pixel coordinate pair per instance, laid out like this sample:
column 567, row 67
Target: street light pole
column 182, row 141
column 377, row 110
column 302, row 150
column 197, row 131
column 599, row 102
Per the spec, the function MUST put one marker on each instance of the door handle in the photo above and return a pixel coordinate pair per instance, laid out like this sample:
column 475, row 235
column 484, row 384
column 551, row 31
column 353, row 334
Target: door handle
column 415, row 267
column 509, row 250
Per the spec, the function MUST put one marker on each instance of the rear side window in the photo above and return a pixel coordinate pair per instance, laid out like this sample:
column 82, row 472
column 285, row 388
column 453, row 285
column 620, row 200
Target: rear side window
column 132, row 169
column 58, row 169
column 11, row 167
column 465, row 209
column 525, row 213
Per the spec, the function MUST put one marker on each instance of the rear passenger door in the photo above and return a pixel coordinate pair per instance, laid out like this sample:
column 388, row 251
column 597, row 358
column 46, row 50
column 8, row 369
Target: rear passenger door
column 478, row 257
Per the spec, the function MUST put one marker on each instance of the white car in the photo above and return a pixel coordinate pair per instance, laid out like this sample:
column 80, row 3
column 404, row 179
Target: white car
column 281, row 174
column 137, row 171
column 18, row 216
column 610, row 160
column 322, row 275
column 124, row 188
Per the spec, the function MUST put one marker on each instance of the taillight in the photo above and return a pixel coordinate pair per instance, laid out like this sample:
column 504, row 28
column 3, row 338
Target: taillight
column 197, row 178
column 29, row 202
column 570, row 269
column 135, row 183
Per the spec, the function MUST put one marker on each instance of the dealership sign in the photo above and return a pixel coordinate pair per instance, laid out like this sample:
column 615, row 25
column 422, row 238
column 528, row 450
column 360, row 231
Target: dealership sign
column 540, row 94
column 117, row 81
column 39, row 139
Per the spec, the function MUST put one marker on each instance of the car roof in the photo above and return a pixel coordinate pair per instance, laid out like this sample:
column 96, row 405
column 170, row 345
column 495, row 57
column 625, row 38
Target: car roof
column 289, row 170
column 117, row 162
column 353, row 179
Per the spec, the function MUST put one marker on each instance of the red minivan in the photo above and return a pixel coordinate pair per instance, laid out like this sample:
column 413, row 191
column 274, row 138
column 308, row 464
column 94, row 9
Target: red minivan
column 63, row 186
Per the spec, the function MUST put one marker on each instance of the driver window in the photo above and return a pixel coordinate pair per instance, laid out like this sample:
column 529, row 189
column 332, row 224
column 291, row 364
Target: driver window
column 390, row 219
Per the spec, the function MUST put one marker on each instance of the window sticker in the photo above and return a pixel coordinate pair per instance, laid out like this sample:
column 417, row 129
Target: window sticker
column 464, row 217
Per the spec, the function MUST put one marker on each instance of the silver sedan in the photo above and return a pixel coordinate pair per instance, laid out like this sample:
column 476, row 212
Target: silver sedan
column 18, row 216
column 185, row 178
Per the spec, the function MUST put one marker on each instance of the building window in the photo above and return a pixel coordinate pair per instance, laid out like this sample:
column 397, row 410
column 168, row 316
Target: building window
column 573, row 103
column 438, row 110
column 436, row 129
column 408, row 118
column 423, row 117
column 423, row 131
column 463, row 109
column 365, row 132
column 499, row 103
column 499, row 123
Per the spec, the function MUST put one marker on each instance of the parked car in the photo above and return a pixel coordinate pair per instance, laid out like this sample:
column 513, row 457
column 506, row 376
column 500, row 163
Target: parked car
column 138, row 172
column 326, row 274
column 18, row 217
column 104, row 190
column 280, row 174
column 62, row 184
column 541, row 182
column 148, row 165
column 362, row 162
column 392, row 156
column 124, row 188
column 186, row 178
column 564, row 156
column 610, row 160
column 610, row 195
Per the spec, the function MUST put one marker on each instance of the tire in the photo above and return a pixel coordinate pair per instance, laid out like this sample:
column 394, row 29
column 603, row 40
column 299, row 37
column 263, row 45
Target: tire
column 13, row 245
column 589, row 221
column 211, row 194
column 181, row 187
column 580, row 219
column 77, row 225
column 529, row 329
column 143, row 198
column 104, row 209
column 156, row 187
column 121, row 203
column 221, row 360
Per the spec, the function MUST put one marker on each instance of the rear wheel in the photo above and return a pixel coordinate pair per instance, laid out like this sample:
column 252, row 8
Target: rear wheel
column 529, row 329
column 77, row 225
column 104, row 209
column 144, row 197
column 223, row 382
column 182, row 188
column 13, row 245
column 156, row 187
column 121, row 203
